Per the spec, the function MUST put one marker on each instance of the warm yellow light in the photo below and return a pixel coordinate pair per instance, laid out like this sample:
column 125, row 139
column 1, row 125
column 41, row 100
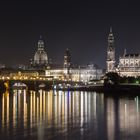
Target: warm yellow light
column 8, row 77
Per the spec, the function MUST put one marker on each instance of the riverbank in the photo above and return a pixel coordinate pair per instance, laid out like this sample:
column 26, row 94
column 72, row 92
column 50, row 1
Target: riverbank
column 109, row 89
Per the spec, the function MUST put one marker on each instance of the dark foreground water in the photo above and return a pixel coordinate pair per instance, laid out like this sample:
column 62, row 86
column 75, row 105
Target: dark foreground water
column 68, row 116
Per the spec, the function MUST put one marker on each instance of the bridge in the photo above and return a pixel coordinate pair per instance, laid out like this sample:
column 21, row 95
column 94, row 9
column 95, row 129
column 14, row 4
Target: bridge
column 32, row 82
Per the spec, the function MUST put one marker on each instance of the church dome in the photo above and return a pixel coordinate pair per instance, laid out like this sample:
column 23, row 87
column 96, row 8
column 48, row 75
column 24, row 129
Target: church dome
column 40, row 57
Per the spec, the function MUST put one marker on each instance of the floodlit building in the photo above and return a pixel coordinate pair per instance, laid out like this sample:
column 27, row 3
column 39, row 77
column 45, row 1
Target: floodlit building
column 110, row 53
column 24, row 73
column 129, row 65
column 40, row 58
column 67, row 71
column 74, row 73
column 86, row 73
column 78, row 74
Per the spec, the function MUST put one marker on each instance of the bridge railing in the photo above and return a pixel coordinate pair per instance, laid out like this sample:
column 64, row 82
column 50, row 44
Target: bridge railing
column 33, row 78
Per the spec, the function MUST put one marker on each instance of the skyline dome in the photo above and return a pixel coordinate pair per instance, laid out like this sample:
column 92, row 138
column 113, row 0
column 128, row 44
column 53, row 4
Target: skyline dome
column 40, row 57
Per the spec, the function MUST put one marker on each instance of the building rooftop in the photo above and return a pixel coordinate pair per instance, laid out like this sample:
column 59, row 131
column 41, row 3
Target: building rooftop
column 131, row 55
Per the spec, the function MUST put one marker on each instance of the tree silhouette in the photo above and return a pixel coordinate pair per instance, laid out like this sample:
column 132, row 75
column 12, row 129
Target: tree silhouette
column 112, row 78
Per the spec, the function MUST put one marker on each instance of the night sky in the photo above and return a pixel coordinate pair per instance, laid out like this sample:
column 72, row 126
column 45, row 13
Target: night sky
column 81, row 26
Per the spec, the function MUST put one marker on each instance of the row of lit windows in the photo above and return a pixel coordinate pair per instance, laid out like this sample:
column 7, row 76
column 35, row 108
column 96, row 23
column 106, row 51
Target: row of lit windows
column 129, row 60
column 130, row 64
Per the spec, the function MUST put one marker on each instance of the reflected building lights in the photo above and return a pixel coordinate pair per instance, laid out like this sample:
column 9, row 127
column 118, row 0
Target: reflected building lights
column 63, row 112
column 137, row 104
column 82, row 113
column 110, row 119
column 3, row 110
column 94, row 107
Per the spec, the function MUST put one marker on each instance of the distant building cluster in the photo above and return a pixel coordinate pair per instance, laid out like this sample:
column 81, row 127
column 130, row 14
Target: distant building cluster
column 66, row 71
column 128, row 65
column 81, row 73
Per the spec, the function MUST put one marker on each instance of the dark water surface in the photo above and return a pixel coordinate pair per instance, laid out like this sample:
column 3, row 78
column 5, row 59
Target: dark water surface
column 68, row 116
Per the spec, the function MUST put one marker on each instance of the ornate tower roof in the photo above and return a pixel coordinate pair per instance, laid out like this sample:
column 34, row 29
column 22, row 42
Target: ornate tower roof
column 40, row 44
column 110, row 37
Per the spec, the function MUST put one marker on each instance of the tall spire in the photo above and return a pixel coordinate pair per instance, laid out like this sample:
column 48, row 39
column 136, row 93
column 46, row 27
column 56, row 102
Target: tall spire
column 40, row 44
column 124, row 52
column 40, row 37
column 110, row 32
column 110, row 29
column 110, row 52
column 110, row 37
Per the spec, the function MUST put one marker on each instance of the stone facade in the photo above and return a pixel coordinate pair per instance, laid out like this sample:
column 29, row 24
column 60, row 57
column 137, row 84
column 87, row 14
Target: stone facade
column 129, row 65
column 78, row 74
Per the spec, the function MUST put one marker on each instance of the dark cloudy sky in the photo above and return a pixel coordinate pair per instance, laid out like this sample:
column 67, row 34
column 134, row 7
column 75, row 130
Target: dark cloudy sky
column 82, row 26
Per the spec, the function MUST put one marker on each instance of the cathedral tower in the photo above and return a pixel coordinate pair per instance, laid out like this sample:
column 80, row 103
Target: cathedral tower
column 110, row 53
column 67, row 60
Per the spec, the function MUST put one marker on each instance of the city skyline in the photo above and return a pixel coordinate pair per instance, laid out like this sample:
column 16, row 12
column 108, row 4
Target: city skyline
column 83, row 27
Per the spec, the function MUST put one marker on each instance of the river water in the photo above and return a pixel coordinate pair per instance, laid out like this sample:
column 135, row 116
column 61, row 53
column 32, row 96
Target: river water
column 58, row 115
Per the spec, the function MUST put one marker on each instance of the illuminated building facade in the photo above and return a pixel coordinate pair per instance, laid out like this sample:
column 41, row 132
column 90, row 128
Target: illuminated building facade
column 74, row 73
column 110, row 53
column 129, row 65
column 40, row 57
column 86, row 73
column 79, row 74
column 24, row 73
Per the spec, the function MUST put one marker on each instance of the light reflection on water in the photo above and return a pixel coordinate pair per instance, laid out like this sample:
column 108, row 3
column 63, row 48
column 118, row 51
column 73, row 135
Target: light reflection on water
column 68, row 115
